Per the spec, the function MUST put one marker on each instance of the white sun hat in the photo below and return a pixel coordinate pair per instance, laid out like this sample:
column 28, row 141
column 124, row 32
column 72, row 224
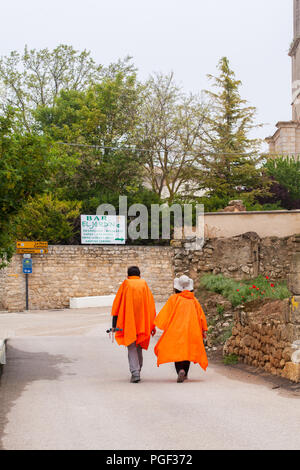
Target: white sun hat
column 183, row 283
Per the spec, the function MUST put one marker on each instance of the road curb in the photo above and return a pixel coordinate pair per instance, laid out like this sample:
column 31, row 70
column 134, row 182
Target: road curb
column 2, row 354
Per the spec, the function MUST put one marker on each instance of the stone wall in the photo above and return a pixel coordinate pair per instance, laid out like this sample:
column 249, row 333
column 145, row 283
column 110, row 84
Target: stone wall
column 263, row 336
column 275, row 257
column 81, row 271
column 240, row 257
column 233, row 221
column 267, row 334
column 266, row 224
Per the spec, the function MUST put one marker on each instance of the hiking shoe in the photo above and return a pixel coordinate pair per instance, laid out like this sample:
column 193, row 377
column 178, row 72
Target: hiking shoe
column 135, row 379
column 181, row 376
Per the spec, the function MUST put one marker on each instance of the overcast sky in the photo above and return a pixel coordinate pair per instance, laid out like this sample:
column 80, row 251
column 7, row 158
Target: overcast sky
column 185, row 36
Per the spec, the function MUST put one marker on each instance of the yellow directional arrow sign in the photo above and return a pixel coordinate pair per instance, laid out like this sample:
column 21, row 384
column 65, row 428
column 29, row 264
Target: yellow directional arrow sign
column 32, row 247
column 32, row 244
column 39, row 251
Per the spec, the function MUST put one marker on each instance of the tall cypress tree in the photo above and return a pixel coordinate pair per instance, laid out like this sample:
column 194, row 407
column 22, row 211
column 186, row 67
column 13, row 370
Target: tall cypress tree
column 231, row 165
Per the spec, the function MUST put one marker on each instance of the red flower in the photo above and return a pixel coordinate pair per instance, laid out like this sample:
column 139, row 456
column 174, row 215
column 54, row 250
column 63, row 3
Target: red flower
column 267, row 277
column 238, row 290
column 257, row 288
column 254, row 287
column 272, row 285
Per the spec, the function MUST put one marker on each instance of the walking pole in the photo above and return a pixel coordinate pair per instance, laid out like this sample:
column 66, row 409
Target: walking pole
column 112, row 332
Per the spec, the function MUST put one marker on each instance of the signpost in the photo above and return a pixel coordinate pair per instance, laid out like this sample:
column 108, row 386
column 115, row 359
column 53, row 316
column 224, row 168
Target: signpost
column 27, row 266
column 27, row 269
column 32, row 247
column 103, row 230
column 27, row 249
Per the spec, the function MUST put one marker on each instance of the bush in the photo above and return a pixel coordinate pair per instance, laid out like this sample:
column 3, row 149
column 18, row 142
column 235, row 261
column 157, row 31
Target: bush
column 230, row 359
column 49, row 219
column 240, row 292
column 286, row 171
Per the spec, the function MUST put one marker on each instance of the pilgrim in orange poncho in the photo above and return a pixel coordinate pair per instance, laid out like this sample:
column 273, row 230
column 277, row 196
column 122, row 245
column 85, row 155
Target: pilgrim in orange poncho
column 133, row 313
column 184, row 324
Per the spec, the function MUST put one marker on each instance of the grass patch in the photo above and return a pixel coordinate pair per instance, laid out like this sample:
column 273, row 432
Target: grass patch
column 230, row 359
column 240, row 292
column 226, row 335
column 220, row 309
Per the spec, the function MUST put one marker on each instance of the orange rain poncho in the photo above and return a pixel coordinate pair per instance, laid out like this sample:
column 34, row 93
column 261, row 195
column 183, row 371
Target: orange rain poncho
column 183, row 322
column 134, row 305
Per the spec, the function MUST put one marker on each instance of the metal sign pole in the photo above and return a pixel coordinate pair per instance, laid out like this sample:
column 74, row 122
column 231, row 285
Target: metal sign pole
column 27, row 269
column 26, row 280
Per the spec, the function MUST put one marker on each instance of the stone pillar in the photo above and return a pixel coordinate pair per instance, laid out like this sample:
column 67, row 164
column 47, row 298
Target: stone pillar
column 296, row 19
column 292, row 369
column 294, row 53
column 286, row 138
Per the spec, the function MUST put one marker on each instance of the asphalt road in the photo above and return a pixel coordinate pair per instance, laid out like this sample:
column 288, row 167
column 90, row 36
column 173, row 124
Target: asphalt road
column 73, row 392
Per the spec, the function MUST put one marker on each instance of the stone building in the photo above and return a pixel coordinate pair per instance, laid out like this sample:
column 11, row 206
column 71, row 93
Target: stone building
column 286, row 139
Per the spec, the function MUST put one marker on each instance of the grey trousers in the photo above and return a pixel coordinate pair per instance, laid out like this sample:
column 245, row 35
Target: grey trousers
column 135, row 358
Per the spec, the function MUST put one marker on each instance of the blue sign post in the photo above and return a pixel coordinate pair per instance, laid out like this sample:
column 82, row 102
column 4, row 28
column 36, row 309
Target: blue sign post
column 27, row 266
column 27, row 269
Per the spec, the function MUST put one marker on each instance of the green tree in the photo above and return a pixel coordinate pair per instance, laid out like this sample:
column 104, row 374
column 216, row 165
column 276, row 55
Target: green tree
column 44, row 217
column 25, row 169
column 286, row 171
column 96, row 129
column 231, row 163
column 36, row 77
column 170, row 131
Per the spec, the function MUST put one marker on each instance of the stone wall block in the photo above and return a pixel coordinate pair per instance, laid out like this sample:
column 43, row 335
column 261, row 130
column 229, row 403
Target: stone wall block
column 79, row 271
column 294, row 283
column 291, row 372
column 294, row 310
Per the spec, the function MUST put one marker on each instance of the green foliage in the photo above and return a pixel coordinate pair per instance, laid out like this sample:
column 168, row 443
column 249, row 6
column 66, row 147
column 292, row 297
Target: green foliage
column 240, row 292
column 286, row 171
column 25, row 168
column 276, row 206
column 47, row 218
column 36, row 77
column 230, row 359
column 214, row 203
column 253, row 206
column 220, row 309
column 99, row 124
column 231, row 163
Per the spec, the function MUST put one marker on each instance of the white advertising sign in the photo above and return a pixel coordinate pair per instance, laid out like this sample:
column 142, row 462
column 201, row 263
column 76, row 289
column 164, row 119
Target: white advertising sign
column 103, row 230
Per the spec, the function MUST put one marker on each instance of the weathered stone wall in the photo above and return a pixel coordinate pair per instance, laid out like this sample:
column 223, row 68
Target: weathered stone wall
column 263, row 335
column 241, row 257
column 80, row 271
column 267, row 335
column 275, row 257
